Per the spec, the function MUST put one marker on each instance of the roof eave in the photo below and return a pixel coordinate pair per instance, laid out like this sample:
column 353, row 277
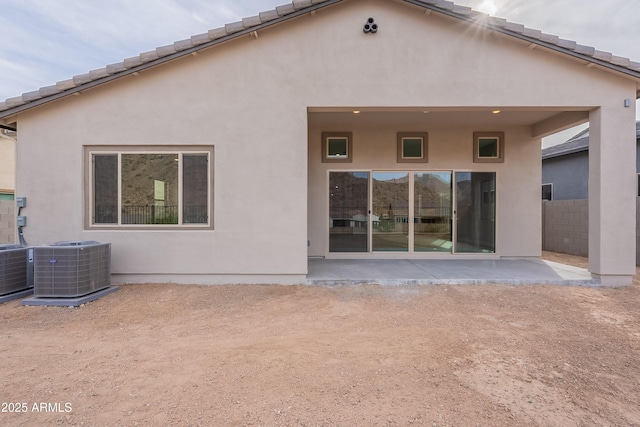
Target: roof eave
column 443, row 7
column 565, row 153
column 171, row 57
column 432, row 5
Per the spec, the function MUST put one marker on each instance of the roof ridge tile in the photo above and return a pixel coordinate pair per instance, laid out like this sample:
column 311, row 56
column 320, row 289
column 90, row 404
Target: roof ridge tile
column 269, row 15
column 444, row 4
column 251, row 21
column 65, row 84
column 285, row 9
column 132, row 62
column 301, row 4
column 512, row 26
column 585, row 50
column 166, row 50
column 31, row 96
column 234, row 27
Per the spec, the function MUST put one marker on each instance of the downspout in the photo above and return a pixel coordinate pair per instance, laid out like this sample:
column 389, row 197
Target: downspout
column 3, row 135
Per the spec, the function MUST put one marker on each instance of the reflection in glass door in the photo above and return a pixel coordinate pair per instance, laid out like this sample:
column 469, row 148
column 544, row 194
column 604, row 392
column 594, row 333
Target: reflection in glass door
column 432, row 212
column 390, row 211
column 412, row 212
column 348, row 208
column 476, row 212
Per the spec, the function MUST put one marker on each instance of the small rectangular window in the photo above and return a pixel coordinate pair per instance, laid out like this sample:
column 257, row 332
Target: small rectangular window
column 412, row 147
column 547, row 191
column 488, row 147
column 162, row 188
column 336, row 147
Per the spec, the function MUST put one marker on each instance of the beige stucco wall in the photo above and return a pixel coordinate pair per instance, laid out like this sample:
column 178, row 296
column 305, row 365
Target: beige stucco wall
column 249, row 99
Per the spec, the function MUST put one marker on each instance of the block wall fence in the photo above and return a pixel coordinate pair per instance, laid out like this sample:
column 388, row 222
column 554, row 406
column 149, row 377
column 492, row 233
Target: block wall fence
column 7, row 221
column 565, row 227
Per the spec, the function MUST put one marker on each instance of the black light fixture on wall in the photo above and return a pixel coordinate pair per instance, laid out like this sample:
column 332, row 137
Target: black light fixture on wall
column 370, row 27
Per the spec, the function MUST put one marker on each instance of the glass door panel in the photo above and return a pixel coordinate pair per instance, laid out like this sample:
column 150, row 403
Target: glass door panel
column 348, row 208
column 390, row 211
column 476, row 212
column 432, row 212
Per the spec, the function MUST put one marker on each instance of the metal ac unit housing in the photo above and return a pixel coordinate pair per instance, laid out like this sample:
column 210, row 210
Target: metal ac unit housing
column 71, row 268
column 14, row 265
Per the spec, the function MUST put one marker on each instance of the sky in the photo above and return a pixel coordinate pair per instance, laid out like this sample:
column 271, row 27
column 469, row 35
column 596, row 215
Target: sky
column 46, row 41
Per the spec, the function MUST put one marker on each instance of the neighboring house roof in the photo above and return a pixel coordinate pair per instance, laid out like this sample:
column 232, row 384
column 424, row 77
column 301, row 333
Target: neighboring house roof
column 576, row 144
column 253, row 24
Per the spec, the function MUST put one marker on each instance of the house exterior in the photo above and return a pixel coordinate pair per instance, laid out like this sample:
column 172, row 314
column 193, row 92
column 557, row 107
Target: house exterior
column 565, row 168
column 326, row 128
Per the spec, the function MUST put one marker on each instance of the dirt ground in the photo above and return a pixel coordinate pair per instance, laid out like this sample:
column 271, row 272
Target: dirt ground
column 158, row 354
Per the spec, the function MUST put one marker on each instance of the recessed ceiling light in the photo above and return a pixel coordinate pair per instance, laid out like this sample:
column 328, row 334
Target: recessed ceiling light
column 356, row 111
column 496, row 111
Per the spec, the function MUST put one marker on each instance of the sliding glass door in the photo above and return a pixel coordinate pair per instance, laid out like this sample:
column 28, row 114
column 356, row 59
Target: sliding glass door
column 412, row 212
column 348, row 211
column 432, row 212
column 390, row 211
column 475, row 212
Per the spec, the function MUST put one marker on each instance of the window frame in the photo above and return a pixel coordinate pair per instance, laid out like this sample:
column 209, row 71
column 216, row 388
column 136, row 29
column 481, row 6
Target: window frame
column 326, row 158
column 550, row 185
column 401, row 136
column 89, row 202
column 498, row 136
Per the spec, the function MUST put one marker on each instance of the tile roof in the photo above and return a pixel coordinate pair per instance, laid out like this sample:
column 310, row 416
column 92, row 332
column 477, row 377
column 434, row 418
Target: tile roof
column 297, row 8
column 576, row 144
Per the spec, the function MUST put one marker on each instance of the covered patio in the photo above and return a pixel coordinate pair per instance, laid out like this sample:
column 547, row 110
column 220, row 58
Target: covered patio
column 510, row 271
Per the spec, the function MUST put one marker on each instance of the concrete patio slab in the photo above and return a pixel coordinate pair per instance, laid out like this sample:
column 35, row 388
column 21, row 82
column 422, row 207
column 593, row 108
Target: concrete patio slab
column 512, row 271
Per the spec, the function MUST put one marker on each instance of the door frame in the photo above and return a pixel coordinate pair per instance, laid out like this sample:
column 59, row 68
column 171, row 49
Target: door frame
column 410, row 253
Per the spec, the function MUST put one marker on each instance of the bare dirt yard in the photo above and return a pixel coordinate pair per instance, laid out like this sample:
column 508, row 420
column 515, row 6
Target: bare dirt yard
column 158, row 354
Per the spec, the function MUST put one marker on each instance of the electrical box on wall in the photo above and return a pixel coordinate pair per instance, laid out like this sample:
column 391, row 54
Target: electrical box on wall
column 21, row 202
column 21, row 221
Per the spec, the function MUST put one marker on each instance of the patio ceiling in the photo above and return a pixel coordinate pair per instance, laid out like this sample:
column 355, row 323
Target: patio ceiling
column 543, row 121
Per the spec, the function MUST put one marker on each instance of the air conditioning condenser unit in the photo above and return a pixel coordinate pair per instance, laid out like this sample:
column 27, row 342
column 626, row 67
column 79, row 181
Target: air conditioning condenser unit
column 71, row 268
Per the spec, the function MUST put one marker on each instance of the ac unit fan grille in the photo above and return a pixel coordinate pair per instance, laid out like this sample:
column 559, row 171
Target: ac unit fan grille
column 13, row 269
column 69, row 269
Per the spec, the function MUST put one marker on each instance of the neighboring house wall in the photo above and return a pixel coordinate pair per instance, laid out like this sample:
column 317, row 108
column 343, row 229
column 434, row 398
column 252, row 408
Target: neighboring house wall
column 7, row 221
column 569, row 175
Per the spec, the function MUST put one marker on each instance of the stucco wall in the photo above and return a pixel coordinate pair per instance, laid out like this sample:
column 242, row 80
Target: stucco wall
column 7, row 221
column 249, row 99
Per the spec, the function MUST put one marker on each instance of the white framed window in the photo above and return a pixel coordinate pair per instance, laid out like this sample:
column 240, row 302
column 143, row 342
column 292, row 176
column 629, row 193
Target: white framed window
column 158, row 187
column 547, row 191
column 412, row 147
column 336, row 147
column 488, row 147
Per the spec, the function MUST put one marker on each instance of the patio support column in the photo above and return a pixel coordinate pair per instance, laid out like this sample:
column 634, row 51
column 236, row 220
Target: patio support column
column 612, row 194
